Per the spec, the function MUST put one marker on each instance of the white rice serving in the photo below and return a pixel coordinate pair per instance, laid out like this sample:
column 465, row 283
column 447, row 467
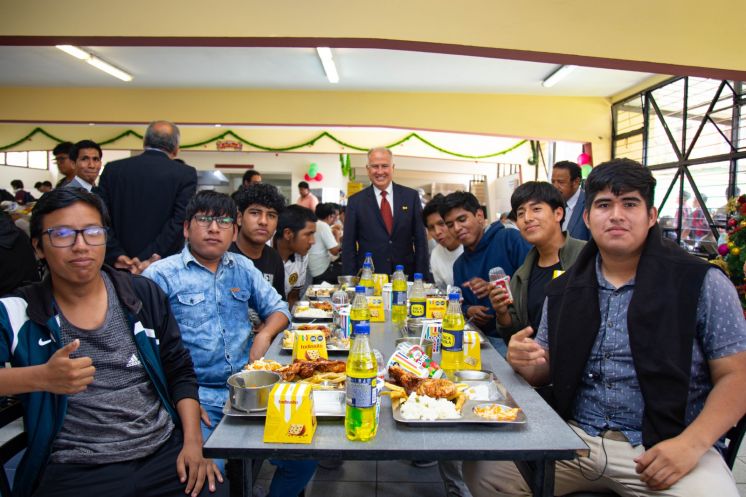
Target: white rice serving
column 427, row 408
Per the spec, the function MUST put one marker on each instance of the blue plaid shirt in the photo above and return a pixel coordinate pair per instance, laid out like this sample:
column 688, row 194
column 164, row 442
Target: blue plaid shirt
column 609, row 396
column 212, row 310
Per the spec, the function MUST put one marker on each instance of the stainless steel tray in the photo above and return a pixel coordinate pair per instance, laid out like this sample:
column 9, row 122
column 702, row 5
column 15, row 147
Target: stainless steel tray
column 496, row 394
column 312, row 289
column 326, row 404
column 325, row 316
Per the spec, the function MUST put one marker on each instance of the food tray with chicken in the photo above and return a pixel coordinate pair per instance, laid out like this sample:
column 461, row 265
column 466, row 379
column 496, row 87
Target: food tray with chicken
column 323, row 291
column 327, row 404
column 319, row 310
column 333, row 343
column 477, row 397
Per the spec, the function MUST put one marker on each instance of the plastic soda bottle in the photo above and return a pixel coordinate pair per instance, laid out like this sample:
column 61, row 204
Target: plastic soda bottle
column 380, row 379
column 417, row 298
column 369, row 260
column 340, row 303
column 366, row 279
column 359, row 312
column 362, row 388
column 399, row 296
column 452, row 339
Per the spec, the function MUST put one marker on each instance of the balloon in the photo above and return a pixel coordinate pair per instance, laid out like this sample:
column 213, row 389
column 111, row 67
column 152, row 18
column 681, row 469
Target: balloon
column 313, row 169
column 584, row 159
column 585, row 171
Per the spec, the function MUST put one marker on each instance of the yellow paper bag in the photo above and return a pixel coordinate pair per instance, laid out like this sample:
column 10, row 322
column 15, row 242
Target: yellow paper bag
column 472, row 351
column 375, row 307
column 290, row 417
column 309, row 345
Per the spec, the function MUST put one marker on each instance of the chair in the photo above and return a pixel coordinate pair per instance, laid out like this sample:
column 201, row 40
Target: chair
column 10, row 410
column 733, row 440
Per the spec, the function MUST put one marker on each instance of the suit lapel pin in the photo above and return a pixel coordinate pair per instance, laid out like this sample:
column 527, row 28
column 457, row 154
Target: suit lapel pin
column 404, row 207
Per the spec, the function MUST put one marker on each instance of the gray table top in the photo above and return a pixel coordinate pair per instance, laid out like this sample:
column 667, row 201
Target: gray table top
column 543, row 436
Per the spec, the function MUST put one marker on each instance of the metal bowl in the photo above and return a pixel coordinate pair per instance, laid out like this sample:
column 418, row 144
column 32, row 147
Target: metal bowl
column 470, row 375
column 249, row 390
column 413, row 327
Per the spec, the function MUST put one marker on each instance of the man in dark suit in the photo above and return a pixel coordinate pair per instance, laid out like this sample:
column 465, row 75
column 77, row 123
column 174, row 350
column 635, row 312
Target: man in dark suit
column 147, row 197
column 385, row 219
column 566, row 179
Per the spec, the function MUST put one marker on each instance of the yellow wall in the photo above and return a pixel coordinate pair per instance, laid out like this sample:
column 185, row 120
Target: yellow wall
column 687, row 32
column 551, row 118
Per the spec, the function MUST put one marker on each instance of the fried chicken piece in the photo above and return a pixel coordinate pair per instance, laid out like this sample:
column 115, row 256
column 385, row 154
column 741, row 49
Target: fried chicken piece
column 306, row 369
column 435, row 388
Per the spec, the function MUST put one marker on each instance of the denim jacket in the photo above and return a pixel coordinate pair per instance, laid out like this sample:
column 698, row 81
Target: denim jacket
column 212, row 310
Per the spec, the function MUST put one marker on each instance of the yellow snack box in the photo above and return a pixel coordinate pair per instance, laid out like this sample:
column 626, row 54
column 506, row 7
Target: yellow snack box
column 436, row 307
column 375, row 307
column 309, row 345
column 472, row 351
column 290, row 417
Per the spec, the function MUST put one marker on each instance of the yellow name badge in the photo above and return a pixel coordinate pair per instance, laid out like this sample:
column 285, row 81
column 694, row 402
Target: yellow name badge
column 472, row 350
column 309, row 345
column 375, row 307
column 435, row 307
column 557, row 273
column 290, row 417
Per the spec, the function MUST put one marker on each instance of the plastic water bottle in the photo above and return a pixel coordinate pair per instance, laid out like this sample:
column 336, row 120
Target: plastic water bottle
column 399, row 296
column 499, row 278
column 452, row 339
column 366, row 279
column 417, row 298
column 380, row 378
column 340, row 302
column 369, row 260
column 359, row 312
column 361, row 422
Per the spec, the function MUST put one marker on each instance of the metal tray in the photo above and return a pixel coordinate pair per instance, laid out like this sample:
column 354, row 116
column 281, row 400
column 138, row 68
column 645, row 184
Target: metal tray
column 311, row 292
column 326, row 404
column 326, row 316
column 497, row 394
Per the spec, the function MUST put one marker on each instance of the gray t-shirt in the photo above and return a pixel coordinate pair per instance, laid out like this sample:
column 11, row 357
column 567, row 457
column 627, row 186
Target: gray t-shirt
column 119, row 417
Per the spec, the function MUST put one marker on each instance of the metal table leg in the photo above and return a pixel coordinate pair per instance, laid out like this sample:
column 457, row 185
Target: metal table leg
column 539, row 475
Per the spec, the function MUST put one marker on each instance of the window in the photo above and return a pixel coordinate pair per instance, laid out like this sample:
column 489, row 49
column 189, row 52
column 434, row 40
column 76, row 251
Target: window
column 36, row 159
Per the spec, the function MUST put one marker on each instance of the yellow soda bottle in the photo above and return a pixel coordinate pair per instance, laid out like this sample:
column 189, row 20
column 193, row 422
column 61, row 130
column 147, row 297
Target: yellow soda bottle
column 366, row 279
column 359, row 312
column 452, row 339
column 399, row 296
column 417, row 298
column 361, row 397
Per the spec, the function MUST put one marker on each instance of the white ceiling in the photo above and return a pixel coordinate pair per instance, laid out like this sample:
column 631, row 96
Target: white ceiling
column 300, row 68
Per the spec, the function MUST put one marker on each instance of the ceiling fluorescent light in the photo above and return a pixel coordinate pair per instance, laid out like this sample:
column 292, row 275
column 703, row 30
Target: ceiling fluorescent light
column 557, row 75
column 325, row 54
column 95, row 62
column 109, row 69
column 74, row 51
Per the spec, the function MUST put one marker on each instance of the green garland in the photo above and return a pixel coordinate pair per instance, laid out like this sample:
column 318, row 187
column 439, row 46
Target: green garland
column 308, row 143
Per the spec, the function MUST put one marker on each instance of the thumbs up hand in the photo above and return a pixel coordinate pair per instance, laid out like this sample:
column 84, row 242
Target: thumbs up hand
column 63, row 375
column 524, row 351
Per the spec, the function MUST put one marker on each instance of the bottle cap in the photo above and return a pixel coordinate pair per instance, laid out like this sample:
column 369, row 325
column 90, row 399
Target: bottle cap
column 359, row 289
column 362, row 329
column 399, row 267
column 369, row 254
column 418, row 276
column 454, row 296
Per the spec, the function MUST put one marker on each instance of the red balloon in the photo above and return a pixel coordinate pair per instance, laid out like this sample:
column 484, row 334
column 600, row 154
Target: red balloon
column 584, row 159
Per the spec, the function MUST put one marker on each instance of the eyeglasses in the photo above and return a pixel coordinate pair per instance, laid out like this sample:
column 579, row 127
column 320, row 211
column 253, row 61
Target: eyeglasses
column 66, row 237
column 224, row 222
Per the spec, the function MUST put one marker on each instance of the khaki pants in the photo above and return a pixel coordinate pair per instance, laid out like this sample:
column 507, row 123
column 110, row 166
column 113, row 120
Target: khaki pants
column 711, row 476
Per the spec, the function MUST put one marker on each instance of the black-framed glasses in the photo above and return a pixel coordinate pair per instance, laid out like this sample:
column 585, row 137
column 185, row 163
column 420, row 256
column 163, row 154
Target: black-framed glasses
column 63, row 236
column 224, row 222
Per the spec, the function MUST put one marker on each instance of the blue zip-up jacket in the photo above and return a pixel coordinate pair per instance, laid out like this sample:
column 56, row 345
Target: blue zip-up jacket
column 498, row 247
column 30, row 335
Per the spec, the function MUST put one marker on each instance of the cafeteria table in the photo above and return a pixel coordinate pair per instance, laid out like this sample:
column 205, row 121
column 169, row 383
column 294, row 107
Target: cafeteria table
column 534, row 446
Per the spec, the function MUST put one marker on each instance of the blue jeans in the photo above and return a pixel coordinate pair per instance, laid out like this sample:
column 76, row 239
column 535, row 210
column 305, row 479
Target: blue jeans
column 290, row 476
column 499, row 345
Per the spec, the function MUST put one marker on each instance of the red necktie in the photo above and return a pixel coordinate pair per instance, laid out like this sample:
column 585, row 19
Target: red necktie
column 388, row 218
